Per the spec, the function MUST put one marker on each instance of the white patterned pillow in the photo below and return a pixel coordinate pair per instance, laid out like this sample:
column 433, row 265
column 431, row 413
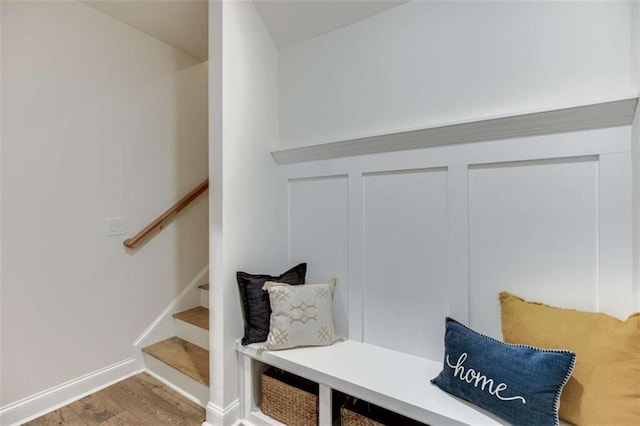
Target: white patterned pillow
column 301, row 315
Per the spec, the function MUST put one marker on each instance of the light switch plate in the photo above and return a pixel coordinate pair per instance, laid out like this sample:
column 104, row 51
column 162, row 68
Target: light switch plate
column 115, row 226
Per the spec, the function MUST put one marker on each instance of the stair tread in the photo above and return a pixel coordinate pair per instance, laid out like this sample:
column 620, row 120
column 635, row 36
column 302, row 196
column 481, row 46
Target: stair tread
column 204, row 286
column 198, row 316
column 185, row 357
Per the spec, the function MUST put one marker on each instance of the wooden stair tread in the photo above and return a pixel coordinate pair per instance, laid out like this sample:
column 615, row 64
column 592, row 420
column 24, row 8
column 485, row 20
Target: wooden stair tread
column 185, row 357
column 204, row 286
column 198, row 316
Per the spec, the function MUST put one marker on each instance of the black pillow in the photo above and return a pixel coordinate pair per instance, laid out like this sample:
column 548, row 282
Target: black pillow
column 256, row 309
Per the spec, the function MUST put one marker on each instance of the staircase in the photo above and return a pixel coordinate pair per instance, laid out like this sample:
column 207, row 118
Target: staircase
column 183, row 360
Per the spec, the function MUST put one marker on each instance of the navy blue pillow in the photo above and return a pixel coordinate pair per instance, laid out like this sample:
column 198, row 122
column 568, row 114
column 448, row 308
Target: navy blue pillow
column 518, row 383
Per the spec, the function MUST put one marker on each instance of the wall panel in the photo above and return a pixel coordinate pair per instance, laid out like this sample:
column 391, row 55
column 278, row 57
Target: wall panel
column 405, row 258
column 318, row 235
column 533, row 230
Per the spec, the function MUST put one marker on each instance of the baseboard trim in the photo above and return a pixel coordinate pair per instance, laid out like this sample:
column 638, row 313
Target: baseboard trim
column 169, row 384
column 51, row 399
column 227, row 416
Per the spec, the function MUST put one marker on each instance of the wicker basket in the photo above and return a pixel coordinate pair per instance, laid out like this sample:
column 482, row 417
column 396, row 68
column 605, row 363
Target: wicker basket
column 360, row 413
column 351, row 418
column 289, row 399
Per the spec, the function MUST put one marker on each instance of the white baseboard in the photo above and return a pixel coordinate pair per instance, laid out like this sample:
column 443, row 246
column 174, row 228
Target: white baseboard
column 256, row 418
column 227, row 416
column 163, row 327
column 236, row 423
column 171, row 385
column 51, row 399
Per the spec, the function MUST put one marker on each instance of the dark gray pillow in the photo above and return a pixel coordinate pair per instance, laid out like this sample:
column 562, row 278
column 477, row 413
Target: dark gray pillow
column 256, row 309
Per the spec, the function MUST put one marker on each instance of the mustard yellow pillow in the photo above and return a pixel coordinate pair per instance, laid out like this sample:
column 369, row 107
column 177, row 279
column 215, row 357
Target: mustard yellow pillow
column 604, row 388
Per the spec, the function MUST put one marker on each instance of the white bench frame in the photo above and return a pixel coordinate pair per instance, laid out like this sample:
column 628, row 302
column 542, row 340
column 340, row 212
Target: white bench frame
column 393, row 380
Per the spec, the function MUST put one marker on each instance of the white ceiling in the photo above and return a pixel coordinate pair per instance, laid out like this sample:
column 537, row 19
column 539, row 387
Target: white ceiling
column 184, row 23
column 291, row 21
column 181, row 23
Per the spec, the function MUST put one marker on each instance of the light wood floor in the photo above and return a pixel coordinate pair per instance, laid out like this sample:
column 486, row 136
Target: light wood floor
column 138, row 400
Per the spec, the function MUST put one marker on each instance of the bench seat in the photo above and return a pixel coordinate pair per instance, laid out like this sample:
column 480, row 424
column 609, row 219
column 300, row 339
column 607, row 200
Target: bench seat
column 396, row 381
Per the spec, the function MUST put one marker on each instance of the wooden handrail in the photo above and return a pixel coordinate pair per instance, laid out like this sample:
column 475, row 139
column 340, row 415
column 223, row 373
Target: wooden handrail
column 158, row 224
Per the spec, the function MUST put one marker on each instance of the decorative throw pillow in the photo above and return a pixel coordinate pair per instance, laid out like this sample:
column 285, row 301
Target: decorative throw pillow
column 605, row 386
column 302, row 315
column 255, row 301
column 521, row 384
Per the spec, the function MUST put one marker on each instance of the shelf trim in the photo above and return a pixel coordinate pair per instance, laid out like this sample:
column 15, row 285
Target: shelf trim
column 619, row 112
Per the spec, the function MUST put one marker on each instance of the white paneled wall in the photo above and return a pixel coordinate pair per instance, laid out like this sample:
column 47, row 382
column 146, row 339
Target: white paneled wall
column 533, row 228
column 318, row 212
column 418, row 235
column 399, row 288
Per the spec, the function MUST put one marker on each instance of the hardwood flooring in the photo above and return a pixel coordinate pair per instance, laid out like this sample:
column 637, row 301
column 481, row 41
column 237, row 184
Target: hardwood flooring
column 140, row 400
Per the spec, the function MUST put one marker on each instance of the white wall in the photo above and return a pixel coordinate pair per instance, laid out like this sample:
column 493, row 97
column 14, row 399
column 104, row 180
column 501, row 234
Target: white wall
column 1, row 303
column 425, row 63
column 635, row 44
column 635, row 159
column 99, row 120
column 245, row 222
column 635, row 140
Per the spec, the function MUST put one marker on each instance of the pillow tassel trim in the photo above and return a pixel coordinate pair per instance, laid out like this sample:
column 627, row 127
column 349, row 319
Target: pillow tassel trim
column 556, row 402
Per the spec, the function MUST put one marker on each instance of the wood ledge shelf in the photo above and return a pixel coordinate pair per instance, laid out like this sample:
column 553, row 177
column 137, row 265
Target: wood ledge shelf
column 619, row 112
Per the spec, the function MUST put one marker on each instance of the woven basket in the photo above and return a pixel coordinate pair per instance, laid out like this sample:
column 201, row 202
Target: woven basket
column 289, row 399
column 351, row 418
column 359, row 413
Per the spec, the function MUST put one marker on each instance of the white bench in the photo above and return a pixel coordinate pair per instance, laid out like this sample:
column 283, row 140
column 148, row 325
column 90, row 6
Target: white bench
column 396, row 381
